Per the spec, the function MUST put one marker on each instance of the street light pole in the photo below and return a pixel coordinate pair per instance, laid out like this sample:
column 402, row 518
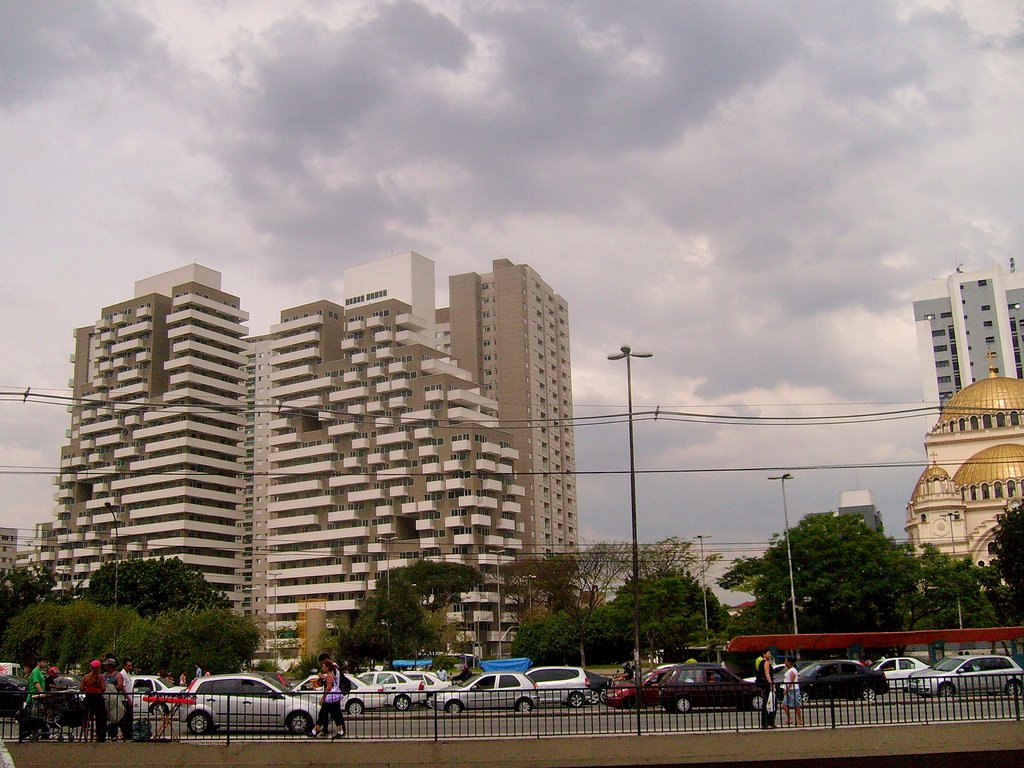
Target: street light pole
column 950, row 517
column 628, row 354
column 789, row 551
column 498, row 552
column 117, row 558
column 704, row 594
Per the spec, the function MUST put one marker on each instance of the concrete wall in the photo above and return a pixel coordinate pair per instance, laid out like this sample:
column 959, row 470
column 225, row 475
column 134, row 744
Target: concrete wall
column 979, row 744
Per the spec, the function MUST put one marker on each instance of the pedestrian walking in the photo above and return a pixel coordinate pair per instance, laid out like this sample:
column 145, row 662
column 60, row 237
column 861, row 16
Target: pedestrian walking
column 336, row 687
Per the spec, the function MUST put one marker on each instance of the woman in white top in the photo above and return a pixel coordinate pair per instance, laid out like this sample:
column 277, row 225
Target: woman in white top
column 791, row 701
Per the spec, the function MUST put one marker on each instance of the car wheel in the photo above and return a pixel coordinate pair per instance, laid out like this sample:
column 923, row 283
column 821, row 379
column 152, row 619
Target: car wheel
column 946, row 690
column 756, row 702
column 575, row 699
column 453, row 707
column 524, row 706
column 355, row 707
column 604, row 695
column 1013, row 688
column 868, row 694
column 402, row 702
column 593, row 696
column 683, row 705
column 298, row 723
column 805, row 698
column 158, row 709
column 199, row 723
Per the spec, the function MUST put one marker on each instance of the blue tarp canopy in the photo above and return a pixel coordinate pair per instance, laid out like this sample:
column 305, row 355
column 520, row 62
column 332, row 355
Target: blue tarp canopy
column 506, row 665
column 411, row 663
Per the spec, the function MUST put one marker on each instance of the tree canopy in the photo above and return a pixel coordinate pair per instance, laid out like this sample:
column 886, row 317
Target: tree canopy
column 71, row 634
column 438, row 584
column 1008, row 548
column 20, row 588
column 847, row 576
column 153, row 586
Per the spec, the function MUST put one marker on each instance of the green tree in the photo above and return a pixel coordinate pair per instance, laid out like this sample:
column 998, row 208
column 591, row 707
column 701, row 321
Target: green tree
column 948, row 590
column 72, row 634
column 67, row 634
column 671, row 615
column 393, row 624
column 438, row 584
column 216, row 639
column 547, row 639
column 847, row 576
column 22, row 587
column 1008, row 548
column 153, row 586
column 575, row 584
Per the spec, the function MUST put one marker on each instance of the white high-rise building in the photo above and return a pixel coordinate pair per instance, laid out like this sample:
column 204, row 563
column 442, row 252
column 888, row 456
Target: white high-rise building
column 153, row 463
column 382, row 451
column 967, row 323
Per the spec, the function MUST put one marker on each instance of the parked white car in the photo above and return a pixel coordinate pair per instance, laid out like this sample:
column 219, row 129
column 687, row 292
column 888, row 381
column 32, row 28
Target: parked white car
column 245, row 702
column 568, row 686
column 969, row 675
column 152, row 685
column 898, row 669
column 431, row 682
column 358, row 700
column 401, row 691
column 490, row 690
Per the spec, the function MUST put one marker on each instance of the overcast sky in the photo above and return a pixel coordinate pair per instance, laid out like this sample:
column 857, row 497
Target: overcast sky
column 747, row 190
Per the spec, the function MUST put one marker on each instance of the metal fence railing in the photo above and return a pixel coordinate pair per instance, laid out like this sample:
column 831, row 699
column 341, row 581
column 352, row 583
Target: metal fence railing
column 454, row 714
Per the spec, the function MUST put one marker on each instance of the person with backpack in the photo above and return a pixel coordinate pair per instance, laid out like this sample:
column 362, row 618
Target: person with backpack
column 336, row 687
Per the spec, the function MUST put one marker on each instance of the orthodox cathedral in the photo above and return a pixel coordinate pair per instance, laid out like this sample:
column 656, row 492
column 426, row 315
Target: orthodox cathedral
column 976, row 472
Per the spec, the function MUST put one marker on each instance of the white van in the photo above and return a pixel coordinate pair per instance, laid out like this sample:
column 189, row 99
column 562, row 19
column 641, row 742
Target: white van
column 10, row 668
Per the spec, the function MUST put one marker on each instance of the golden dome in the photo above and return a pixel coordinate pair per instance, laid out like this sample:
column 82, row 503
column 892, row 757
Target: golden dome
column 932, row 472
column 996, row 393
column 1000, row 462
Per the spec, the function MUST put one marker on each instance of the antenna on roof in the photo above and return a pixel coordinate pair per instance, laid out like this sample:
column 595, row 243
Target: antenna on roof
column 1013, row 265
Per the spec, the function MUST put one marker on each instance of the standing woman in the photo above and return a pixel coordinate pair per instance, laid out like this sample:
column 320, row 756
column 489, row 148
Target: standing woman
column 791, row 702
column 93, row 686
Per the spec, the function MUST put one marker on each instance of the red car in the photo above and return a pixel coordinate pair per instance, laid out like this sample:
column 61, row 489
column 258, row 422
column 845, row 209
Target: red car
column 622, row 694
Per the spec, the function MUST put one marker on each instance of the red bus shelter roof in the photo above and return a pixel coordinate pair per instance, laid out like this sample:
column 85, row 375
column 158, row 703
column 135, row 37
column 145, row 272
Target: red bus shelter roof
column 873, row 639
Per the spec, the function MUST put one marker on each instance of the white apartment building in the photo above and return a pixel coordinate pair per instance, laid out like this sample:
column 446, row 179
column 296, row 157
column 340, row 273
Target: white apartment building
column 8, row 548
column 153, row 463
column 511, row 331
column 966, row 323
column 382, row 451
column 296, row 468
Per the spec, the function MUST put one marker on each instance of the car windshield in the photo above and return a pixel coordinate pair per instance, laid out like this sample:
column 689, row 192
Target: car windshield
column 272, row 681
column 811, row 668
column 468, row 681
column 948, row 665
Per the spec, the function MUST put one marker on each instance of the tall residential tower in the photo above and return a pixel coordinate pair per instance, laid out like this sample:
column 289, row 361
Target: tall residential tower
column 153, row 463
column 511, row 331
column 967, row 323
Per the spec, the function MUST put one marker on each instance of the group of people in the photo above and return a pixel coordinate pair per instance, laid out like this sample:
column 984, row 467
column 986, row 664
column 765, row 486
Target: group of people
column 105, row 689
column 792, row 705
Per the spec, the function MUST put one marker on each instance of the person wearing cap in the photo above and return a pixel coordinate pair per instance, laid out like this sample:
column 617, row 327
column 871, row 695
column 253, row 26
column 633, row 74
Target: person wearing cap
column 93, row 686
column 119, row 714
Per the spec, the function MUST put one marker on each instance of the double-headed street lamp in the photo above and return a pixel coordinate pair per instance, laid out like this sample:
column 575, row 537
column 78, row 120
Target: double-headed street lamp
column 628, row 354
column 789, row 551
